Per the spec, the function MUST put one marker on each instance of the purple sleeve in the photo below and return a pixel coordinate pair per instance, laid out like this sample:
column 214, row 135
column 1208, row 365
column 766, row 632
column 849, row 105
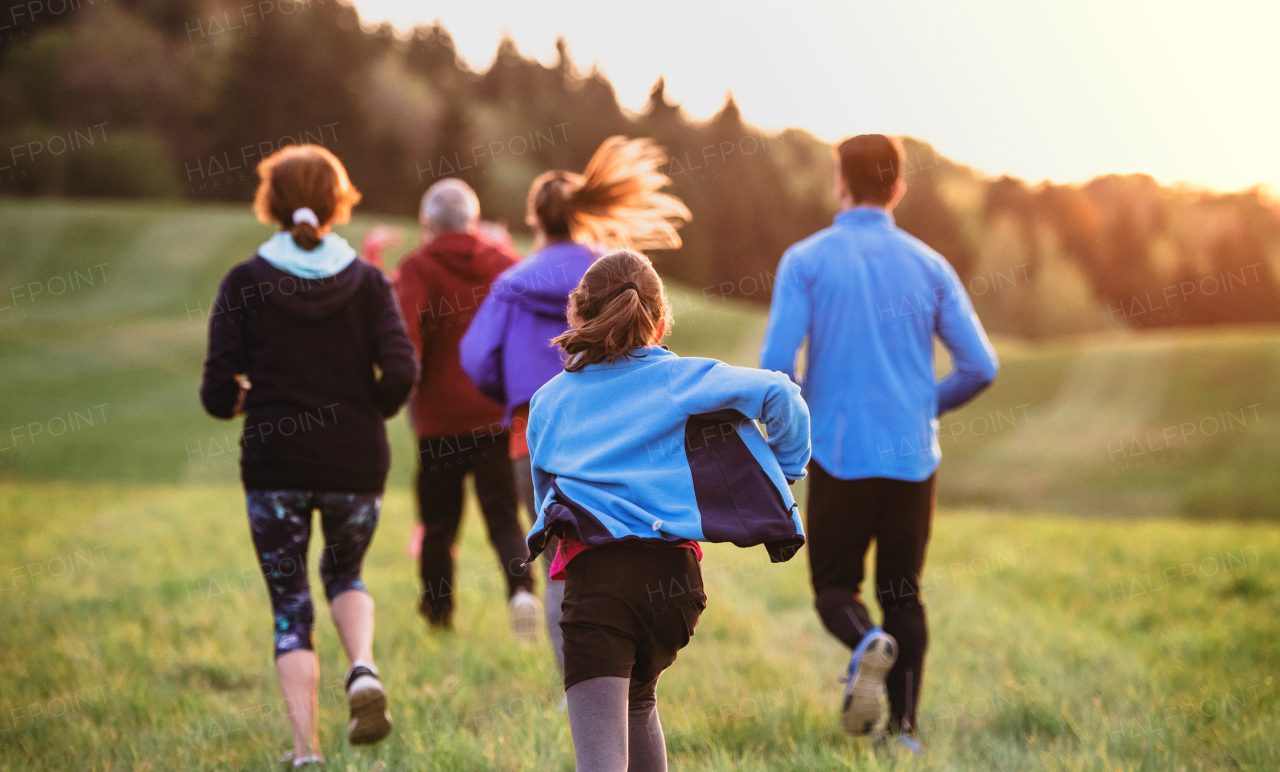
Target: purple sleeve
column 480, row 350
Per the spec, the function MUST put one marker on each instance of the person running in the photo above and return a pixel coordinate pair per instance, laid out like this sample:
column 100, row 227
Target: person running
column 870, row 298
column 459, row 430
column 507, row 350
column 637, row 455
column 297, row 339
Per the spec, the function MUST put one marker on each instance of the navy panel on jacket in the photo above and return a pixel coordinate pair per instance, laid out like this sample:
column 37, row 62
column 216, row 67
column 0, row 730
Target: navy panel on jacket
column 738, row 501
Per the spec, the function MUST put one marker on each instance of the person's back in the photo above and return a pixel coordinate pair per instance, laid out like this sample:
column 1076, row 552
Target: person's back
column 658, row 446
column 507, row 351
column 870, row 299
column 615, row 201
column 875, row 298
column 314, row 418
column 442, row 285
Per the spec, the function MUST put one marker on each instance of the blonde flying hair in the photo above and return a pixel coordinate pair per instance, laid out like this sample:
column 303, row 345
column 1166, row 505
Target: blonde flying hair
column 615, row 202
column 301, row 176
column 619, row 305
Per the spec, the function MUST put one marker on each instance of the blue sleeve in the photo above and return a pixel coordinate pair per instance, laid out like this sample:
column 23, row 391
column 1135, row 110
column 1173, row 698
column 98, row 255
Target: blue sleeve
column 701, row 386
column 789, row 317
column 541, row 480
column 480, row 350
column 961, row 332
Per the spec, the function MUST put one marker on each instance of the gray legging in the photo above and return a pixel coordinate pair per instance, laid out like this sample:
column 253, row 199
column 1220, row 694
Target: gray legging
column 615, row 727
column 553, row 593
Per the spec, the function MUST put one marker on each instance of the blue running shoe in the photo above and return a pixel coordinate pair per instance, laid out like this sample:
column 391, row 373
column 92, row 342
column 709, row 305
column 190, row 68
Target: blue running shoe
column 863, row 708
column 900, row 741
column 909, row 743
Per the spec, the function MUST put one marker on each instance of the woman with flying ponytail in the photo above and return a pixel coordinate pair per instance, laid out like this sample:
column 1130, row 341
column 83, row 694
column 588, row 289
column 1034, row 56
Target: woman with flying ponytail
column 507, row 350
column 307, row 343
column 638, row 455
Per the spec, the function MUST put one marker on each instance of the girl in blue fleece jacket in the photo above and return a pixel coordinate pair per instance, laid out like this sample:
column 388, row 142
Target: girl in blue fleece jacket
column 507, row 349
column 638, row 455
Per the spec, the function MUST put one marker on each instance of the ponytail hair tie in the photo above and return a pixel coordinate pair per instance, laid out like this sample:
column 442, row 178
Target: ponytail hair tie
column 628, row 285
column 305, row 215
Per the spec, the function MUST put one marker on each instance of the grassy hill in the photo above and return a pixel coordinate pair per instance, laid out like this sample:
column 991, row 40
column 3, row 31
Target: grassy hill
column 103, row 311
column 137, row 632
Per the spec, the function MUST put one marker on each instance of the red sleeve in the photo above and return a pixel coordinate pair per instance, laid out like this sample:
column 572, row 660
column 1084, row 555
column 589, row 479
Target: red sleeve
column 413, row 291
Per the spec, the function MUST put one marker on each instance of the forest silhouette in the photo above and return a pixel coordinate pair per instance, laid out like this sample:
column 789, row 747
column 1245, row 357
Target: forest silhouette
column 180, row 100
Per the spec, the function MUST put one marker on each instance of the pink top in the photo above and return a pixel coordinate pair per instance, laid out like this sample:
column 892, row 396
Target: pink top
column 570, row 549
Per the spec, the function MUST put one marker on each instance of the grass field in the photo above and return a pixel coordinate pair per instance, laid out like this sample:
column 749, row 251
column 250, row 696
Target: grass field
column 137, row 633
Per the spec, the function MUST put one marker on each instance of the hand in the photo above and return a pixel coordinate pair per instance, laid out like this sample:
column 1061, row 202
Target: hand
column 240, row 398
column 414, row 546
column 496, row 232
column 377, row 241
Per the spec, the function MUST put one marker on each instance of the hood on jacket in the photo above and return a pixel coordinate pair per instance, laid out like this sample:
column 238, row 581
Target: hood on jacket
column 541, row 283
column 310, row 299
column 467, row 255
column 330, row 256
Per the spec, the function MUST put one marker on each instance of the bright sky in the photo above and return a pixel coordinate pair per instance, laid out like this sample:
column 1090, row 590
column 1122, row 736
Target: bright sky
column 1063, row 91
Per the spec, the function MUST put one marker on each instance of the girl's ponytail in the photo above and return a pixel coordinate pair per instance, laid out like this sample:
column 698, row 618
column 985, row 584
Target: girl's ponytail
column 305, row 228
column 619, row 305
column 615, row 202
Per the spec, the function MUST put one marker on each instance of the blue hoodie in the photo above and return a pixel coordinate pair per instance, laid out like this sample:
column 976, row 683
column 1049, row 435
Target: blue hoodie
column 870, row 298
column 507, row 349
column 659, row 448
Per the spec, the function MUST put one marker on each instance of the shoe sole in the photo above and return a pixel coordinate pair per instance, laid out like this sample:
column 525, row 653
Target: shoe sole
column 370, row 721
column 862, row 709
column 524, row 623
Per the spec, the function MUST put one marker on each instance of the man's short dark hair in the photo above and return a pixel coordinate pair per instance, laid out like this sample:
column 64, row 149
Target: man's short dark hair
column 870, row 165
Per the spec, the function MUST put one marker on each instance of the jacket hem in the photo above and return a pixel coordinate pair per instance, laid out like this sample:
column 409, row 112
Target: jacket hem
column 312, row 479
column 864, row 473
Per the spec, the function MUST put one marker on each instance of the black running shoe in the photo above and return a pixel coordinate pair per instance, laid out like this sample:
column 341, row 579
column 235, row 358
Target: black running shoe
column 370, row 721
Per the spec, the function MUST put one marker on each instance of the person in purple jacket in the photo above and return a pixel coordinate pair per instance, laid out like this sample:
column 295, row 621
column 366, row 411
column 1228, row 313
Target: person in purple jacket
column 507, row 350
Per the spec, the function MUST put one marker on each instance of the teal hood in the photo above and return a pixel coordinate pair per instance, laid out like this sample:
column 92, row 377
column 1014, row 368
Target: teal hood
column 328, row 259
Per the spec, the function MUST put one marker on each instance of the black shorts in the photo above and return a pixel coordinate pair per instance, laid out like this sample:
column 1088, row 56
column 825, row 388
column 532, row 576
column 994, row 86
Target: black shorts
column 627, row 610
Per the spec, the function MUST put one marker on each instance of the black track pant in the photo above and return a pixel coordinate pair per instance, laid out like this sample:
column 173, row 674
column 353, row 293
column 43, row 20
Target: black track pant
column 844, row 517
column 444, row 462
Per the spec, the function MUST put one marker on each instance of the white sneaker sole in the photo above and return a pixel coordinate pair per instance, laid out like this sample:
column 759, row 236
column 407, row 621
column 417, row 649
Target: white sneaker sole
column 525, row 619
column 863, row 708
column 370, row 721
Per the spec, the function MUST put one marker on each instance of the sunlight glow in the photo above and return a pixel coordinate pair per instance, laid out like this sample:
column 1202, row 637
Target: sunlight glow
column 1041, row 90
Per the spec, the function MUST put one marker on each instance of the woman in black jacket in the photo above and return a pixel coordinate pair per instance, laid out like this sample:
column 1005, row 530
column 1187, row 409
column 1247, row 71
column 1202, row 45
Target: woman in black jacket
column 306, row 341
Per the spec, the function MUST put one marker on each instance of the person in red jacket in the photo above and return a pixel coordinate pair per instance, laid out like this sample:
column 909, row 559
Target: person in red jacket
column 459, row 430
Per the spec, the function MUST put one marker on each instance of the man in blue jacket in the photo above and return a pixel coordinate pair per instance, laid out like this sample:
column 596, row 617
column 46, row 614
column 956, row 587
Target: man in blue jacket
column 870, row 298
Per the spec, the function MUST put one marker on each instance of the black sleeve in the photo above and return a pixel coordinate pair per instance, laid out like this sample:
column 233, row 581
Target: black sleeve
column 393, row 351
column 219, row 389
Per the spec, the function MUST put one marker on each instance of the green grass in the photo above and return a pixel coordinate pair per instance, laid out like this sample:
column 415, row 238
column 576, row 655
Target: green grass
column 137, row 633
column 1056, row 645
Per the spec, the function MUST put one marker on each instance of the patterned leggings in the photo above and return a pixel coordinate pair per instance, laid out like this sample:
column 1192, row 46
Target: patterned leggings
column 281, row 526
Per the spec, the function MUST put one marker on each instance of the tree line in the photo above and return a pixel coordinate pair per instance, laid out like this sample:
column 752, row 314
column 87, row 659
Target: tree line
column 181, row 99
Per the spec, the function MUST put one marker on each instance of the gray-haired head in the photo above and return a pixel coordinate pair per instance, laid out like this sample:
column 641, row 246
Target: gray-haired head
column 450, row 206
